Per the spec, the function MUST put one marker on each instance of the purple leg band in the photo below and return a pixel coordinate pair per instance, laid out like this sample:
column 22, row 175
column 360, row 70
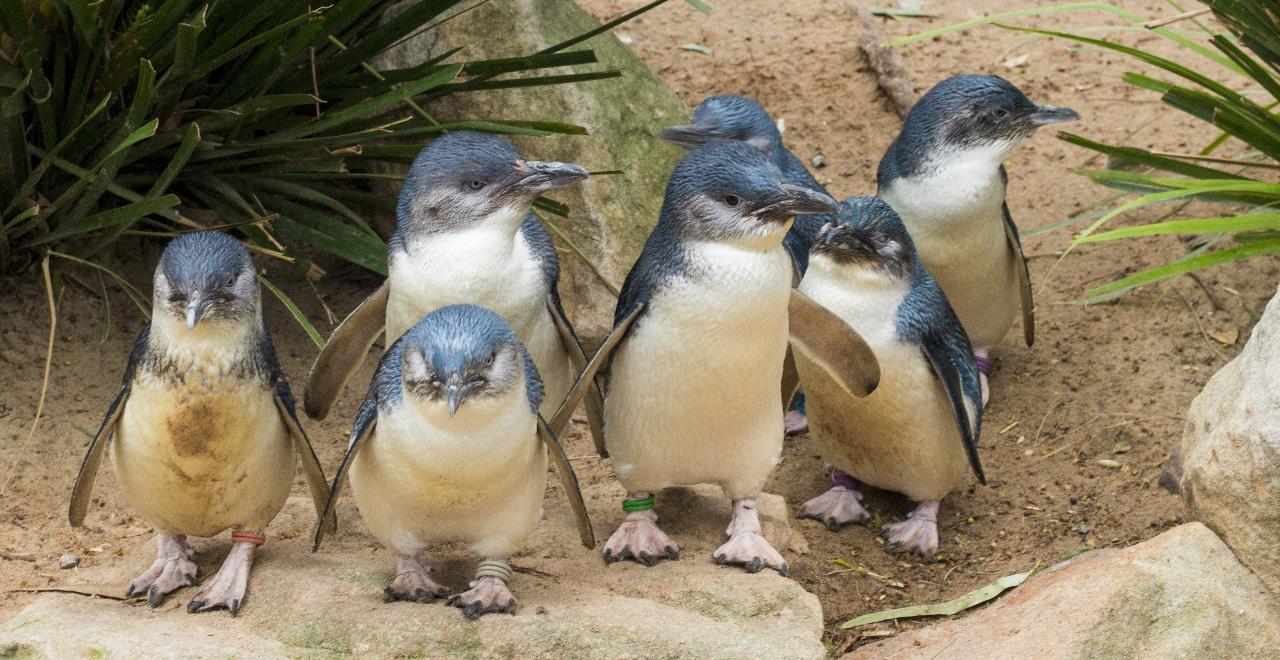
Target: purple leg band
column 984, row 364
column 845, row 481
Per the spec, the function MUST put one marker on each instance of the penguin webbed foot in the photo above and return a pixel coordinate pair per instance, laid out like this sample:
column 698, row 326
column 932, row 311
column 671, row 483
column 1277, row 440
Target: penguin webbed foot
column 227, row 588
column 795, row 422
column 487, row 595
column 747, row 546
column 172, row 570
column 836, row 508
column 640, row 539
column 918, row 534
column 413, row 583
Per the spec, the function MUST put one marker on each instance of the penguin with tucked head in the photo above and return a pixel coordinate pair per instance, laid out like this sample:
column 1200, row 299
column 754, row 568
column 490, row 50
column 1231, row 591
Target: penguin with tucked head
column 203, row 435
column 448, row 446
column 700, row 332
column 465, row 235
column 944, row 175
column 917, row 433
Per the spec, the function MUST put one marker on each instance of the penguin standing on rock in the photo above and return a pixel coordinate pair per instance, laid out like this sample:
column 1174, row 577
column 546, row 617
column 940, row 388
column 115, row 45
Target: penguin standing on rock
column 944, row 176
column 465, row 234
column 448, row 446
column 700, row 332
column 205, row 433
column 917, row 433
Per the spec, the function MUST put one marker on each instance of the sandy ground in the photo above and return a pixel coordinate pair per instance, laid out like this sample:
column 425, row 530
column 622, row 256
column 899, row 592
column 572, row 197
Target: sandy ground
column 1103, row 382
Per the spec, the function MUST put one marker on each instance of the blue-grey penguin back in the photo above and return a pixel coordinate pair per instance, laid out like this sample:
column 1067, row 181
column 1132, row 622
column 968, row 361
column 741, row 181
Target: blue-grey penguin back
column 453, row 337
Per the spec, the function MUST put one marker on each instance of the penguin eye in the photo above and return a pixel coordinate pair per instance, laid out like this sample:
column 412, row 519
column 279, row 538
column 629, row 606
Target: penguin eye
column 475, row 184
column 489, row 360
column 999, row 113
column 732, row 200
column 178, row 298
column 227, row 283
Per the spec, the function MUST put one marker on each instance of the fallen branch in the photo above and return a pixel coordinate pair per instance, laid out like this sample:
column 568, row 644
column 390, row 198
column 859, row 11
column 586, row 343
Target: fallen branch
column 891, row 74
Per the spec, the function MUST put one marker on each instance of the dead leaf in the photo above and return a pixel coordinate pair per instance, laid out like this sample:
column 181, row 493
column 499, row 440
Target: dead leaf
column 1016, row 62
column 1227, row 337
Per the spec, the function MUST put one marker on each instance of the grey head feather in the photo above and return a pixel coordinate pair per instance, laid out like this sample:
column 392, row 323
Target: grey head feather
column 468, row 343
column 963, row 111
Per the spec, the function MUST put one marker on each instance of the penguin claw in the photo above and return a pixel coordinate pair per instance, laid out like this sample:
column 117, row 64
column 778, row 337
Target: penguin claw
column 837, row 508
column 487, row 595
column 228, row 587
column 751, row 551
column 638, row 538
column 917, row 536
column 165, row 576
column 413, row 584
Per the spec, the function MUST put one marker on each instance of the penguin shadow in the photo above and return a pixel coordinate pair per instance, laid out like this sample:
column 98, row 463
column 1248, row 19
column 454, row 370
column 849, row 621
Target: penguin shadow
column 696, row 518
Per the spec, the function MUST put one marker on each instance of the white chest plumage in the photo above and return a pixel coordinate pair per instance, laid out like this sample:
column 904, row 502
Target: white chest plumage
column 207, row 452
column 693, row 392
column 902, row 436
column 478, row 477
column 954, row 213
column 489, row 265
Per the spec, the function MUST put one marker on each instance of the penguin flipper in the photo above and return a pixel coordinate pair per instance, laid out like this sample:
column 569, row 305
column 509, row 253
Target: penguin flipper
column 1021, row 270
column 595, row 398
column 365, row 422
column 93, row 458
column 833, row 345
column 568, row 479
column 966, row 408
column 586, row 379
column 316, row 482
column 347, row 346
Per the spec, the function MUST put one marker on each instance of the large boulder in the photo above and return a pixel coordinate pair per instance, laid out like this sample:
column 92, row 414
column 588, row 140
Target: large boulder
column 611, row 215
column 330, row 603
column 1181, row 594
column 1228, row 464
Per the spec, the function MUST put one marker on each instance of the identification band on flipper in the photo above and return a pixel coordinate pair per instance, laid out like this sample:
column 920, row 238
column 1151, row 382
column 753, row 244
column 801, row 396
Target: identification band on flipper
column 638, row 505
column 256, row 538
column 494, row 568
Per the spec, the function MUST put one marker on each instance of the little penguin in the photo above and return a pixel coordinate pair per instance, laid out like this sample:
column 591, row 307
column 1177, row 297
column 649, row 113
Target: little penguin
column 465, row 234
column 917, row 433
column 696, row 353
column 944, row 175
column 448, row 446
column 205, row 431
column 732, row 117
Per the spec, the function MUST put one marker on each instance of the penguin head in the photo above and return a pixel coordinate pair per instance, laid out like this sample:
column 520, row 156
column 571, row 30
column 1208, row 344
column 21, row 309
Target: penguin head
column 971, row 111
column 867, row 235
column 462, row 356
column 726, row 190
column 463, row 178
column 206, row 278
column 728, row 117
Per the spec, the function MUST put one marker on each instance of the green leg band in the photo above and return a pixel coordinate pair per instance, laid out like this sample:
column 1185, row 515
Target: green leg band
column 637, row 505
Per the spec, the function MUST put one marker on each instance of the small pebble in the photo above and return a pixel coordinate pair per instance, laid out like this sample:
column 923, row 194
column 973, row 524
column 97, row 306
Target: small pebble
column 818, row 160
column 68, row 561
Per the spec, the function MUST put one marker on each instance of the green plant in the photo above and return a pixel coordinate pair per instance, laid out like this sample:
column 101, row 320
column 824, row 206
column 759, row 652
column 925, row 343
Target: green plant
column 269, row 118
column 1249, row 116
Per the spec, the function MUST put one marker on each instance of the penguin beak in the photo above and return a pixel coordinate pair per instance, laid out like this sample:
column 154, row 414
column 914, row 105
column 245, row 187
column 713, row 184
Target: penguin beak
column 688, row 135
column 453, row 394
column 197, row 307
column 797, row 200
column 1048, row 114
column 534, row 176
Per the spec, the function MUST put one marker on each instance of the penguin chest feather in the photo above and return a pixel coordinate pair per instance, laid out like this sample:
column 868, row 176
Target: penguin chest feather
column 693, row 392
column 202, row 450
column 956, row 218
column 903, row 436
column 477, row 478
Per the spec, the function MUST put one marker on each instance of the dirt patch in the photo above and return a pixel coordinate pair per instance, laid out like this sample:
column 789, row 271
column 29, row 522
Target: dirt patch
column 1103, row 382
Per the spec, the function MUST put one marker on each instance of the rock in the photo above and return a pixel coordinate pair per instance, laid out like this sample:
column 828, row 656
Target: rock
column 1180, row 594
column 329, row 603
column 818, row 161
column 68, row 561
column 611, row 215
column 1230, row 452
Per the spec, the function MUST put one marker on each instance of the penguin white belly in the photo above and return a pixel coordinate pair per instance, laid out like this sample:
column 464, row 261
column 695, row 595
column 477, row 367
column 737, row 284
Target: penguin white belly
column 956, row 219
column 484, row 266
column 197, row 460
column 693, row 392
column 477, row 478
column 903, row 436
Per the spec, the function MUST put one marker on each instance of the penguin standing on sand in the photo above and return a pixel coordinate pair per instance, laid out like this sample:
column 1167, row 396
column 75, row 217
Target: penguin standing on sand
column 700, row 332
column 205, row 433
column 917, row 433
column 448, row 446
column 944, row 176
column 465, row 234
